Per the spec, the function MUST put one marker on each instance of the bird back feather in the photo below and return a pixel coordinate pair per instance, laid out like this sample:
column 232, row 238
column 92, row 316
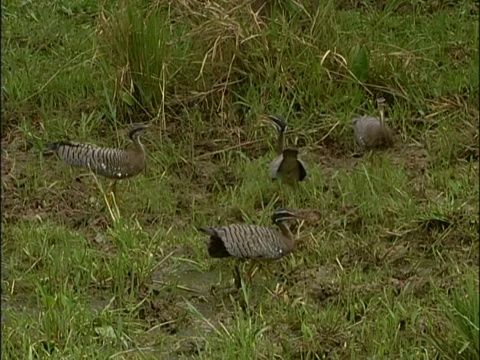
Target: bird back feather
column 108, row 162
column 245, row 241
column 370, row 132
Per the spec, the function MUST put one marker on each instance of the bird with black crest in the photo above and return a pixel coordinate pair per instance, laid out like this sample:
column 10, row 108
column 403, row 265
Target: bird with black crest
column 287, row 166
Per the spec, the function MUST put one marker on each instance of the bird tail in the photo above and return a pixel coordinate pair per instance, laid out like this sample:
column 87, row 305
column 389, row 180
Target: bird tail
column 208, row 230
column 51, row 146
column 56, row 145
column 216, row 247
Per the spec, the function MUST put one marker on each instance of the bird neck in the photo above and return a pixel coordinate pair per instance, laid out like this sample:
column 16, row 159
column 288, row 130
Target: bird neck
column 287, row 234
column 280, row 142
column 382, row 116
column 137, row 145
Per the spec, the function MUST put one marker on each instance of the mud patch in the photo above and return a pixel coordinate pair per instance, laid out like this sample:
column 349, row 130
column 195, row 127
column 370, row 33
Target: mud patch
column 326, row 341
column 322, row 283
column 194, row 281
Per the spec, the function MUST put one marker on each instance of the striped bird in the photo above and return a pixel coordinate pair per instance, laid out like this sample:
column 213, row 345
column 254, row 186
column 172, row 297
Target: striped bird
column 111, row 163
column 371, row 132
column 244, row 241
column 286, row 166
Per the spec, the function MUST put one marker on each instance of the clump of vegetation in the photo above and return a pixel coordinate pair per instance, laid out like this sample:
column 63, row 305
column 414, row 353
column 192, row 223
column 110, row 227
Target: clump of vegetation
column 458, row 335
column 223, row 56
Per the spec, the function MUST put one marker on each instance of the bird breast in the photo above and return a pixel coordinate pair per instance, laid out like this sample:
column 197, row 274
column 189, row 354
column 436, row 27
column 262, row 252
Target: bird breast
column 289, row 169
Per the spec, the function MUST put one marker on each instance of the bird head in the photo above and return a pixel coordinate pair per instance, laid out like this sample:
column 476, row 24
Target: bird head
column 381, row 102
column 137, row 130
column 282, row 215
column 278, row 122
column 355, row 120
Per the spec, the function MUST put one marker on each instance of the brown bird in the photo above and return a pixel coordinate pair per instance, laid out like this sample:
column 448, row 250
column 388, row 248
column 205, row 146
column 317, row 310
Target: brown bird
column 111, row 163
column 244, row 241
column 286, row 166
column 371, row 132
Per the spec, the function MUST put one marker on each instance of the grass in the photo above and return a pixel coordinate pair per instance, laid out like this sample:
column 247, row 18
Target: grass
column 390, row 270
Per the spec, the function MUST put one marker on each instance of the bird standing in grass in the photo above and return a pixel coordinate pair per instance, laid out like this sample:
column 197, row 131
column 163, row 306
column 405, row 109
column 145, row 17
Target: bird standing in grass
column 371, row 132
column 244, row 241
column 111, row 163
column 286, row 166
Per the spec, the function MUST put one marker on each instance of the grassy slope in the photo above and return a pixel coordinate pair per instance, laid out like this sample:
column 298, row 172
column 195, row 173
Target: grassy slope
column 398, row 229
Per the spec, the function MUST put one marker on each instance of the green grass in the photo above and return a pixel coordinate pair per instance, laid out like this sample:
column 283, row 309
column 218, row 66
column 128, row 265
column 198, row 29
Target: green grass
column 390, row 269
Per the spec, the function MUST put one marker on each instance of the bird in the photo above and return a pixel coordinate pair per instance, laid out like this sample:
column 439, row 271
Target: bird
column 246, row 241
column 372, row 132
column 286, row 166
column 111, row 163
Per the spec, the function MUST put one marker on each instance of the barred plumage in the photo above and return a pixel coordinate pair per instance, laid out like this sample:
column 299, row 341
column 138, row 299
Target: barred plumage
column 246, row 241
column 107, row 162
column 286, row 166
column 111, row 163
column 371, row 132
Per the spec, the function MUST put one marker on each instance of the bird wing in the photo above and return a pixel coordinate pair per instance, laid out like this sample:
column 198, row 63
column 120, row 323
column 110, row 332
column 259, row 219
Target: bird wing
column 250, row 241
column 303, row 170
column 107, row 162
column 275, row 166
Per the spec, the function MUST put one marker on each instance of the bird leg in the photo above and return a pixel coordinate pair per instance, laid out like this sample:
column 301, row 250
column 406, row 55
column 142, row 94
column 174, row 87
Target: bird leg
column 112, row 193
column 237, row 277
column 114, row 189
column 252, row 269
column 111, row 196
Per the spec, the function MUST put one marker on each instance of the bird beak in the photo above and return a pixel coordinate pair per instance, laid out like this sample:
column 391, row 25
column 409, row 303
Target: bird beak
column 309, row 215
